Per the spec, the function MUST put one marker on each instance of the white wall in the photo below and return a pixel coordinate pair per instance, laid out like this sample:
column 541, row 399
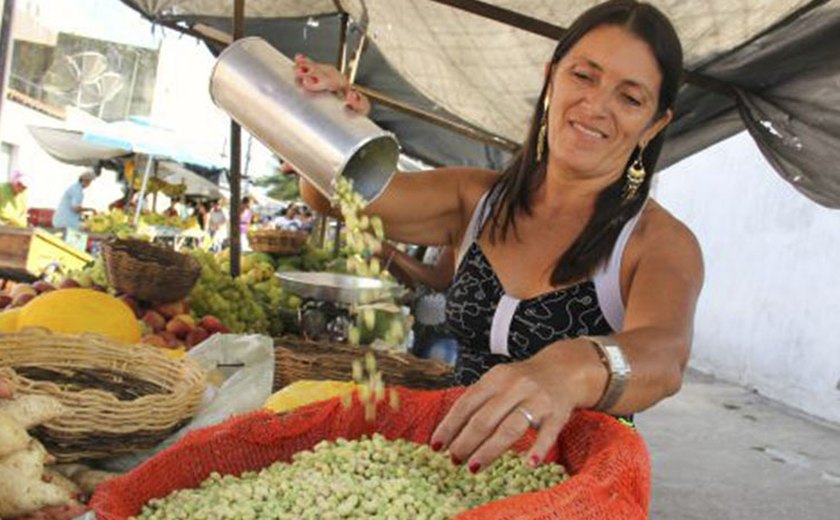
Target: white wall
column 769, row 312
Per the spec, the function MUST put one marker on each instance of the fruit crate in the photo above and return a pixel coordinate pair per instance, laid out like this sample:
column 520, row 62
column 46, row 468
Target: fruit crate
column 26, row 253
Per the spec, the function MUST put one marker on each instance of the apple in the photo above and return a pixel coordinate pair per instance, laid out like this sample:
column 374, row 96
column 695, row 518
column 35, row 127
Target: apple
column 22, row 299
column 155, row 321
column 196, row 336
column 42, row 286
column 212, row 324
column 68, row 283
column 186, row 318
column 178, row 327
column 170, row 339
column 20, row 289
column 5, row 300
column 170, row 310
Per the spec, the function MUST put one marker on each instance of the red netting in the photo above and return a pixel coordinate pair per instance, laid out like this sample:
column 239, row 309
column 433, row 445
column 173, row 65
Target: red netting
column 608, row 461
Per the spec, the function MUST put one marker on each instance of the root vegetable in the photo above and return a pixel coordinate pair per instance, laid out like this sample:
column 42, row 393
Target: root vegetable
column 22, row 490
column 32, row 410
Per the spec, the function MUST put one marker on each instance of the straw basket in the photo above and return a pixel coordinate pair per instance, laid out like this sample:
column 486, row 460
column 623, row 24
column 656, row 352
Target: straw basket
column 298, row 359
column 148, row 271
column 119, row 398
column 277, row 241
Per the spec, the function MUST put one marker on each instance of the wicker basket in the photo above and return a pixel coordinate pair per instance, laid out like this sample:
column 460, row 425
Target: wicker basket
column 120, row 398
column 148, row 271
column 298, row 359
column 277, row 241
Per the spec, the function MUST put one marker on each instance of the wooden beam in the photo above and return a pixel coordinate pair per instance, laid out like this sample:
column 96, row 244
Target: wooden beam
column 455, row 126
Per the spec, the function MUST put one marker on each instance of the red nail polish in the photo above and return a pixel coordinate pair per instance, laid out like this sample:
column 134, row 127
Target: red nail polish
column 535, row 460
column 474, row 467
column 437, row 445
column 455, row 460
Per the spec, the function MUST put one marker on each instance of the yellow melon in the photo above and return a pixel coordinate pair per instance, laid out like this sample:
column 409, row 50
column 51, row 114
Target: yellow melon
column 74, row 311
column 9, row 320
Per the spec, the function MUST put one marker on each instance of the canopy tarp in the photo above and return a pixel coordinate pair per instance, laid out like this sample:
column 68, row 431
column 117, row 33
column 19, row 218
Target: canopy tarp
column 770, row 66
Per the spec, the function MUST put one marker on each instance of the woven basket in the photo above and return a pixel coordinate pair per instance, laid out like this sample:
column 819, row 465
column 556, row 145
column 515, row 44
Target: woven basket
column 298, row 359
column 120, row 398
column 277, row 241
column 148, row 271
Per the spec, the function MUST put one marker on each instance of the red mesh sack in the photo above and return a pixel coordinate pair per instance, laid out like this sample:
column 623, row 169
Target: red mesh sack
column 608, row 461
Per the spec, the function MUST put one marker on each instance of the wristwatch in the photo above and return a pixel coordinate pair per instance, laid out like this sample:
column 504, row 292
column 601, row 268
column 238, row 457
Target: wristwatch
column 618, row 367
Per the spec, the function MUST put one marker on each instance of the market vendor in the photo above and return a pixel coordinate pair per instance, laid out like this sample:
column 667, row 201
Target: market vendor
column 14, row 200
column 573, row 288
column 70, row 209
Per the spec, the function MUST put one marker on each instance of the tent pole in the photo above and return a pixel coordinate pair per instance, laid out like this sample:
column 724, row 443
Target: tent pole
column 142, row 197
column 5, row 45
column 235, row 161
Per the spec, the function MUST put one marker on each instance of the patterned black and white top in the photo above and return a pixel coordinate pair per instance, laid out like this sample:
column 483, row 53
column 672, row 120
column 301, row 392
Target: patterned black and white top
column 493, row 327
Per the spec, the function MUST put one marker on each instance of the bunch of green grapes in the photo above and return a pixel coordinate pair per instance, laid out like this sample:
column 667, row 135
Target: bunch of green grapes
column 232, row 301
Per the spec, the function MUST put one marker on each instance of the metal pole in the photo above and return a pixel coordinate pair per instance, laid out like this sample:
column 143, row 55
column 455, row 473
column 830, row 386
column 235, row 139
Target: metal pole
column 235, row 160
column 5, row 46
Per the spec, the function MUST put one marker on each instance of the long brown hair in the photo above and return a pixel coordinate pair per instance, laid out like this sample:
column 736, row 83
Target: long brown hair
column 513, row 191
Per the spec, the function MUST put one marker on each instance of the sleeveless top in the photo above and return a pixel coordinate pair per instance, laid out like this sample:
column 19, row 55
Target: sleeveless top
column 493, row 327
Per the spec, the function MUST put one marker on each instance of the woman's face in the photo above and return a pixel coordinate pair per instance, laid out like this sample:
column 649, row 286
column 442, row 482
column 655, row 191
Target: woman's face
column 604, row 95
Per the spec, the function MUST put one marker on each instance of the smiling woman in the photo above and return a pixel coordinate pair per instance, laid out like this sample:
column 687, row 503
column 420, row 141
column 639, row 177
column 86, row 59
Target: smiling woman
column 572, row 289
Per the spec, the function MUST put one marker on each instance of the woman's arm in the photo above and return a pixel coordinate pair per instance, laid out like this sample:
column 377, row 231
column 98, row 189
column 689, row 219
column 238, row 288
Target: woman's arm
column 412, row 272
column 656, row 340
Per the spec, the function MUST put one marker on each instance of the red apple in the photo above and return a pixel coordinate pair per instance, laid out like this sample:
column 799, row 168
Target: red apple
column 155, row 321
column 42, row 286
column 196, row 336
column 20, row 289
column 178, row 327
column 22, row 299
column 212, row 324
column 170, row 310
column 68, row 283
column 171, row 340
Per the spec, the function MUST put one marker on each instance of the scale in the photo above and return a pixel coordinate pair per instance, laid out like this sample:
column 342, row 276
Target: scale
column 328, row 299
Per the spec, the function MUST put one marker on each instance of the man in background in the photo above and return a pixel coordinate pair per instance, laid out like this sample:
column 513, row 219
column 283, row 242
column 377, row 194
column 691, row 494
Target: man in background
column 14, row 200
column 70, row 209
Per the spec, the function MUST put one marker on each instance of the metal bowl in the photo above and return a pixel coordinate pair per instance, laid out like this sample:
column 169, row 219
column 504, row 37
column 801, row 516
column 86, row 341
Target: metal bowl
column 338, row 288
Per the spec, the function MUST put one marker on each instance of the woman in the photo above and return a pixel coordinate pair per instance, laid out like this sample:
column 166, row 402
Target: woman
column 567, row 274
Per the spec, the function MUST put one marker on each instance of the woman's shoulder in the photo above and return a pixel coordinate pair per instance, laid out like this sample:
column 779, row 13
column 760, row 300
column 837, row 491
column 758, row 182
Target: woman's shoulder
column 659, row 229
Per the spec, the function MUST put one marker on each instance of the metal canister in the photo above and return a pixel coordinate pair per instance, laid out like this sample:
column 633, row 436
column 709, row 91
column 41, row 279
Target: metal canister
column 313, row 131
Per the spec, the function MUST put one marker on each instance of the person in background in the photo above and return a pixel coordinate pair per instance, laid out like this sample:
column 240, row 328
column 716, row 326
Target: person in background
column 307, row 221
column 430, row 277
column 288, row 220
column 70, row 209
column 216, row 225
column 246, row 215
column 14, row 200
column 171, row 211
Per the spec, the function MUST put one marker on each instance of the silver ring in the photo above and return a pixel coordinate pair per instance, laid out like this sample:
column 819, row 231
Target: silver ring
column 532, row 423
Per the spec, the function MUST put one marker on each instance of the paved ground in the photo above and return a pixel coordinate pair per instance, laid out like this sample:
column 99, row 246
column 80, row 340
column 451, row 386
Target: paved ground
column 721, row 452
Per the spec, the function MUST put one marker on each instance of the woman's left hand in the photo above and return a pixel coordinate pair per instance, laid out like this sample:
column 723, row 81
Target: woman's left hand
column 494, row 413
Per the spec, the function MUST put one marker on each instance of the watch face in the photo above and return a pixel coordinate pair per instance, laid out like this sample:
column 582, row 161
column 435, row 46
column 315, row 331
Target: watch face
column 618, row 363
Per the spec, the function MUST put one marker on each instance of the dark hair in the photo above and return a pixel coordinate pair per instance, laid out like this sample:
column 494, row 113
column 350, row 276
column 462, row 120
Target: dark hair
column 514, row 189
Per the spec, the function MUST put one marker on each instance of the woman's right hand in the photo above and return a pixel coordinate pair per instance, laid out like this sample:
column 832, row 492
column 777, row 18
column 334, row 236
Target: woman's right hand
column 319, row 77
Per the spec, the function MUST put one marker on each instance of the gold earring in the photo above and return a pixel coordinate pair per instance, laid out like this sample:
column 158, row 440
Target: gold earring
column 541, row 136
column 635, row 177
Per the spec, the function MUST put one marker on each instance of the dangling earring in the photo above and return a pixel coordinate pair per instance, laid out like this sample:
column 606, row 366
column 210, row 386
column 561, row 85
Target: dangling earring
column 635, row 176
column 541, row 136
